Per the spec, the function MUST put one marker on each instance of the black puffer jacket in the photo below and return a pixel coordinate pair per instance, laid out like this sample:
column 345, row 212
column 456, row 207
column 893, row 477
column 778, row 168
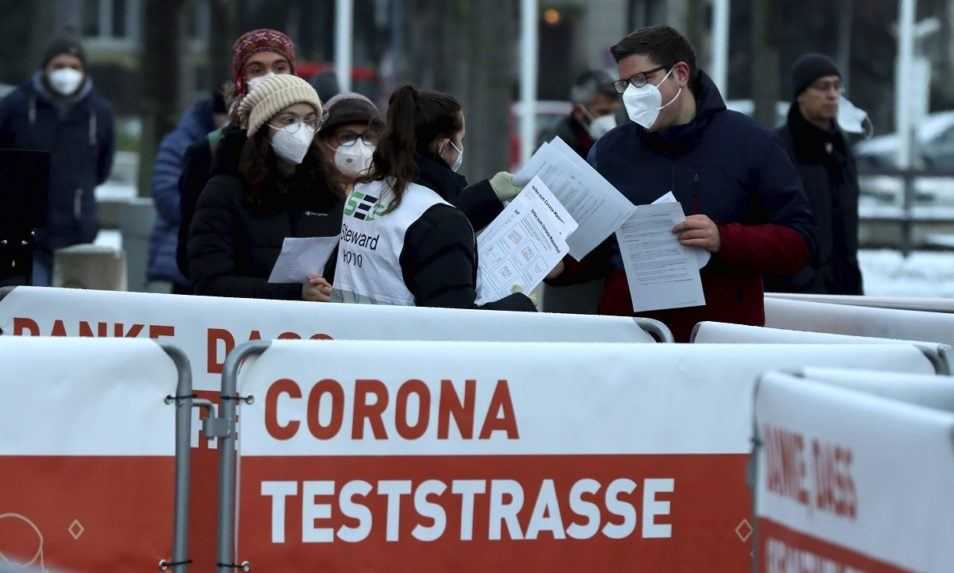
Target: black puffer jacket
column 439, row 258
column 233, row 243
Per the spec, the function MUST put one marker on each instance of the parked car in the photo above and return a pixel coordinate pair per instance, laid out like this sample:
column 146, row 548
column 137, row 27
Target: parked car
column 934, row 149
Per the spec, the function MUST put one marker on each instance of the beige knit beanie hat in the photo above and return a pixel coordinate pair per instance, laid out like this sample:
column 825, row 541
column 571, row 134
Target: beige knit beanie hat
column 270, row 96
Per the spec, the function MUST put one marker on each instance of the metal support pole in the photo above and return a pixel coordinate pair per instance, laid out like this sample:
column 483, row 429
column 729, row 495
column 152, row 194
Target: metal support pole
column 183, row 402
column 344, row 29
column 721, row 9
column 903, row 80
column 528, row 78
column 224, row 429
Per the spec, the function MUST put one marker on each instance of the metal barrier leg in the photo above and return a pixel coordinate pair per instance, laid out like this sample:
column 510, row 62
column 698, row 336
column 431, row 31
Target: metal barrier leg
column 223, row 428
column 183, row 401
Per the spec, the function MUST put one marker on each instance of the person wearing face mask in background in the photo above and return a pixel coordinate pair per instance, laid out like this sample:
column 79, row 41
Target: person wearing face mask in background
column 257, row 54
column 58, row 111
column 403, row 242
column 349, row 134
column 813, row 137
column 742, row 196
column 595, row 104
column 280, row 188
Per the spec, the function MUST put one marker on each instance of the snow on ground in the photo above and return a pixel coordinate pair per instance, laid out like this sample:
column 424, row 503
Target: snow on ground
column 923, row 273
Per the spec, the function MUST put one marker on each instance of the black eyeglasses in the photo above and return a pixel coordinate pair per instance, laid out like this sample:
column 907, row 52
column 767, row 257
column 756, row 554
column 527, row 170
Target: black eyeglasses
column 636, row 80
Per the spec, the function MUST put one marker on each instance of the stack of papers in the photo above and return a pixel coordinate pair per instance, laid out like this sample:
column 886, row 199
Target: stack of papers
column 661, row 272
column 598, row 207
column 523, row 244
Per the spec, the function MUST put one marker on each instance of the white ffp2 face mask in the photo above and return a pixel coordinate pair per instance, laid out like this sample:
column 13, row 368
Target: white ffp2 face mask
column 853, row 119
column 643, row 104
column 291, row 142
column 601, row 126
column 354, row 160
column 65, row 80
column 252, row 82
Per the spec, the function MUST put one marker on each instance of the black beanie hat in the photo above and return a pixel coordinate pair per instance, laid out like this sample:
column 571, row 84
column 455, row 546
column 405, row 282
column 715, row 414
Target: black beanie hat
column 67, row 44
column 347, row 108
column 809, row 68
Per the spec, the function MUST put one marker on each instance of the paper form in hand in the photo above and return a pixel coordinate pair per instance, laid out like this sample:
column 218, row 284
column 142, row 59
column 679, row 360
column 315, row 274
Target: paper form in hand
column 598, row 207
column 702, row 255
column 300, row 257
column 523, row 244
column 660, row 271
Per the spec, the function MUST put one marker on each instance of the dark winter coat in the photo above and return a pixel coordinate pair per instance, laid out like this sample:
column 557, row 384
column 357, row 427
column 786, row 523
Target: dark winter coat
column 439, row 258
column 196, row 123
column 574, row 133
column 78, row 133
column 233, row 243
column 830, row 178
column 723, row 165
column 197, row 170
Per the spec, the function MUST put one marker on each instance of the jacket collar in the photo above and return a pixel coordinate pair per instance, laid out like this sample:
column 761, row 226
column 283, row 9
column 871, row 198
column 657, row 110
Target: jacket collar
column 434, row 174
column 683, row 138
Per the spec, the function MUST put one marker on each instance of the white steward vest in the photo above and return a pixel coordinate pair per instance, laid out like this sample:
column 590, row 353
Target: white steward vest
column 369, row 253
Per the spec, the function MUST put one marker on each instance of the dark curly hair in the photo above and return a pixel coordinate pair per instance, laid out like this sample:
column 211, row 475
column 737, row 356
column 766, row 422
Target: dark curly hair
column 258, row 167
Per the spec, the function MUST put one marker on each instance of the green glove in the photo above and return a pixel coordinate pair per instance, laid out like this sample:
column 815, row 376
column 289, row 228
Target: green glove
column 503, row 186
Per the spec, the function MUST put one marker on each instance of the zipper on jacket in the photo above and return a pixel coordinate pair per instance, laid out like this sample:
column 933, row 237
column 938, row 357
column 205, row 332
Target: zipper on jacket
column 31, row 113
column 78, row 204
column 92, row 128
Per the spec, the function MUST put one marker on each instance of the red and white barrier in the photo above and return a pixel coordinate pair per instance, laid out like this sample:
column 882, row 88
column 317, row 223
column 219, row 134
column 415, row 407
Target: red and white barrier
column 492, row 457
column 207, row 328
column 859, row 320
column 87, row 454
column 850, row 481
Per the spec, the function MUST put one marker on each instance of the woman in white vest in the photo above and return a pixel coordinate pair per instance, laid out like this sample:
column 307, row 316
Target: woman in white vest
column 402, row 240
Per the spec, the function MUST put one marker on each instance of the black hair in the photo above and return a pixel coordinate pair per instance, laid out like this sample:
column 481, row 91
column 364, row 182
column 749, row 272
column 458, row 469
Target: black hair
column 415, row 120
column 663, row 44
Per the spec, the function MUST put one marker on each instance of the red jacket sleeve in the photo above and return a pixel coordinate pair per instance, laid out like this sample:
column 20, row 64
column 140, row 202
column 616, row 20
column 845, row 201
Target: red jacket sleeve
column 768, row 248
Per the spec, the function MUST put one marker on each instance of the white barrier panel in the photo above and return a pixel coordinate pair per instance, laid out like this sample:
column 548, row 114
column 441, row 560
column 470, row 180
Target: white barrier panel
column 929, row 304
column 207, row 328
column 727, row 333
column 859, row 320
column 935, row 392
column 87, row 454
column 847, row 481
column 467, row 457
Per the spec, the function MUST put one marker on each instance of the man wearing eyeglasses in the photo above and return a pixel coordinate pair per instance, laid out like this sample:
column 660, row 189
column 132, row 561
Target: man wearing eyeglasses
column 817, row 146
column 742, row 197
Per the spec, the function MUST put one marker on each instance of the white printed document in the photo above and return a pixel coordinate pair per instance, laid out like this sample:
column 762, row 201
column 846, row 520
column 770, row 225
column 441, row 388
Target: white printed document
column 661, row 272
column 598, row 207
column 702, row 255
column 300, row 257
column 523, row 244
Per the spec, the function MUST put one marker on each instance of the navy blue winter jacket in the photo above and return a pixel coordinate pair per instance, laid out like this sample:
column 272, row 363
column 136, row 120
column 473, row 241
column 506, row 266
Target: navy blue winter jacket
column 78, row 133
column 195, row 124
column 723, row 165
